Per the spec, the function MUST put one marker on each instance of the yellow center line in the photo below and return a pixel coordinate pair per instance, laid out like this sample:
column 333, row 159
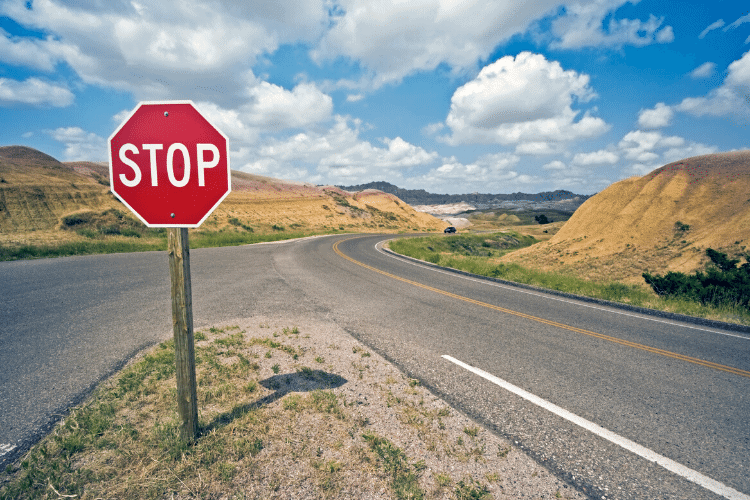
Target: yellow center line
column 654, row 350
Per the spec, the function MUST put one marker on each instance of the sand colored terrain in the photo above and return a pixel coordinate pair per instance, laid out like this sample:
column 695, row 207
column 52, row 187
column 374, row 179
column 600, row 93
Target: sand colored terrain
column 641, row 223
column 37, row 192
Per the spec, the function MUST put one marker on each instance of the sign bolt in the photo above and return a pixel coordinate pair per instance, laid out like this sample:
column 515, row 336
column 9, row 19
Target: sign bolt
column 172, row 215
column 166, row 113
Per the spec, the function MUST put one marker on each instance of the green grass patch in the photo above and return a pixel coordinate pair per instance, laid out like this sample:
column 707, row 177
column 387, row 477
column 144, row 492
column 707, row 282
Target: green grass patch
column 403, row 475
column 468, row 253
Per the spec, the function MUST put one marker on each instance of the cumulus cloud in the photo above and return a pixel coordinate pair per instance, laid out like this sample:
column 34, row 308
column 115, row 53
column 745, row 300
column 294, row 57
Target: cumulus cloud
column 601, row 157
column 704, row 70
column 554, row 165
column 165, row 50
column 582, row 25
column 489, row 173
column 728, row 99
column 660, row 116
column 393, row 39
column 337, row 155
column 80, row 145
column 520, row 100
column 35, row 92
column 649, row 150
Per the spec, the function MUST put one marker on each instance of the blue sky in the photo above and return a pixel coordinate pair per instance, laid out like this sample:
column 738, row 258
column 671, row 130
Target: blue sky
column 449, row 96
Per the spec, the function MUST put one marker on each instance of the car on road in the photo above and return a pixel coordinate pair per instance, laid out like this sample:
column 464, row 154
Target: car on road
column 449, row 229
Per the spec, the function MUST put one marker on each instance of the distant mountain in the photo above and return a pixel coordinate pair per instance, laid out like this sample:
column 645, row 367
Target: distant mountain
column 422, row 197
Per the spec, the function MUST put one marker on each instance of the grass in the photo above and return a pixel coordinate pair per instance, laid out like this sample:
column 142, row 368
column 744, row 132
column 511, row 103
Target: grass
column 101, row 244
column 477, row 255
column 125, row 441
column 267, row 428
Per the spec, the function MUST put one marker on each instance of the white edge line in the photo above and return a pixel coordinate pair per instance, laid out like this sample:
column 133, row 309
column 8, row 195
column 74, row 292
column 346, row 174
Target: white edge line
column 6, row 448
column 521, row 290
column 669, row 464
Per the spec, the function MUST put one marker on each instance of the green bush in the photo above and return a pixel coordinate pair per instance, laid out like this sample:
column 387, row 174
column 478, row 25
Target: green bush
column 723, row 283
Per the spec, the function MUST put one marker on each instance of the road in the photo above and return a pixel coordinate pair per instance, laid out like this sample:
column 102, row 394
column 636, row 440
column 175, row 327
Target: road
column 679, row 391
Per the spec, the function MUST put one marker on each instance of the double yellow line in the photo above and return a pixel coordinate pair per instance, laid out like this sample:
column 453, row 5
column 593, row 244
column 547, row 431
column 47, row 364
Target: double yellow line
column 654, row 350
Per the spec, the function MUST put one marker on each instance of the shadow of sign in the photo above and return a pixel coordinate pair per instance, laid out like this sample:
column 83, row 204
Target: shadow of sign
column 304, row 380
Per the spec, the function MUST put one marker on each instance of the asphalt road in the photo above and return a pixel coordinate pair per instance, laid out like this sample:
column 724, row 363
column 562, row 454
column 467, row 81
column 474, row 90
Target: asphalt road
column 680, row 391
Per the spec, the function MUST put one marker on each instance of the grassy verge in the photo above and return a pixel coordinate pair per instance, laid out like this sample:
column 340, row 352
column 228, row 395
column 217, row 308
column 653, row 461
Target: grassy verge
column 467, row 253
column 282, row 414
column 120, row 244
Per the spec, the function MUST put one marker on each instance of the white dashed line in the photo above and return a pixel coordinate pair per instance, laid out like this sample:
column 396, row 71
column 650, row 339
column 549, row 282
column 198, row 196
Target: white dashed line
column 650, row 455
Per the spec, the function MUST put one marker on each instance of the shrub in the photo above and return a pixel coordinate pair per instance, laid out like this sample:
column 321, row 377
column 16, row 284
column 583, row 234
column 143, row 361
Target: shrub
column 722, row 284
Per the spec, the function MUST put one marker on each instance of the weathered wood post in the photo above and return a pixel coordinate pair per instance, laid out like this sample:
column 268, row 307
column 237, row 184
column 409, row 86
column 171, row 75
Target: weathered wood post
column 178, row 247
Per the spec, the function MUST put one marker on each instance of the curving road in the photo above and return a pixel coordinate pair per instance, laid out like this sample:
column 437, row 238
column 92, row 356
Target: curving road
column 620, row 404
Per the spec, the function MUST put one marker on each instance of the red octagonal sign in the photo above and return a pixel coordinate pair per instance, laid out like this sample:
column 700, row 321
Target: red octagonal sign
column 169, row 165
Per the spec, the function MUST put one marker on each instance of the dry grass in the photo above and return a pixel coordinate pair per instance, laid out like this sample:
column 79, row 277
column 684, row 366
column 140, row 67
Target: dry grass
column 38, row 192
column 632, row 226
column 285, row 412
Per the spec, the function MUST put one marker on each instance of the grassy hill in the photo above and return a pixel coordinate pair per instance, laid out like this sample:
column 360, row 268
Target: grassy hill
column 663, row 221
column 48, row 203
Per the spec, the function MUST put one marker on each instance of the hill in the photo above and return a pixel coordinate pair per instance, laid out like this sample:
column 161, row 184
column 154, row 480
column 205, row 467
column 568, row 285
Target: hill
column 422, row 197
column 45, row 201
column 663, row 221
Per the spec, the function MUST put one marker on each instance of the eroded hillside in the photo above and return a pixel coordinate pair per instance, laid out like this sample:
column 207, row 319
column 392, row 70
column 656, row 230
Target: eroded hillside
column 663, row 221
column 40, row 197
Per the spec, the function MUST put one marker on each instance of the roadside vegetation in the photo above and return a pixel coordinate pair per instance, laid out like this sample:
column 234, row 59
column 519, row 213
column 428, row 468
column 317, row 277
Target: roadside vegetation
column 115, row 231
column 479, row 254
column 723, row 284
column 281, row 415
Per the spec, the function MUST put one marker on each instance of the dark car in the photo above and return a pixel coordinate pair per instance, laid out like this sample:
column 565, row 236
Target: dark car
column 449, row 229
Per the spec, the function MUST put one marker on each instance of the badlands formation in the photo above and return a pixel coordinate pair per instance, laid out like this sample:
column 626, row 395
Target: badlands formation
column 37, row 192
column 663, row 221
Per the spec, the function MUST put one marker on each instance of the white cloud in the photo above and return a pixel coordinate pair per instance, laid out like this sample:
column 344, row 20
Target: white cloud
column 489, row 173
column 270, row 109
column 338, row 155
column 354, row 97
column 525, row 99
column 554, row 165
column 728, row 99
column 166, row 50
column 582, row 25
column 714, row 25
column 601, row 157
column 742, row 20
column 35, row 92
column 393, row 39
column 660, row 116
column 650, row 150
column 433, row 128
column 538, row 148
column 640, row 146
column 80, row 145
column 704, row 70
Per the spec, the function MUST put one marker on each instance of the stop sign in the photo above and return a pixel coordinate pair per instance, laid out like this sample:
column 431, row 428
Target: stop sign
column 169, row 165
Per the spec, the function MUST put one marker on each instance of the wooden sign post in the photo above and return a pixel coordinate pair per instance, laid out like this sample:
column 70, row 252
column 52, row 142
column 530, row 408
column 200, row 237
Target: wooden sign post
column 151, row 156
column 178, row 248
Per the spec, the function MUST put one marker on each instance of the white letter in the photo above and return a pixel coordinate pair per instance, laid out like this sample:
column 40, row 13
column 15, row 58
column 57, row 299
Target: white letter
column 202, row 165
column 130, row 163
column 170, row 166
column 153, row 148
